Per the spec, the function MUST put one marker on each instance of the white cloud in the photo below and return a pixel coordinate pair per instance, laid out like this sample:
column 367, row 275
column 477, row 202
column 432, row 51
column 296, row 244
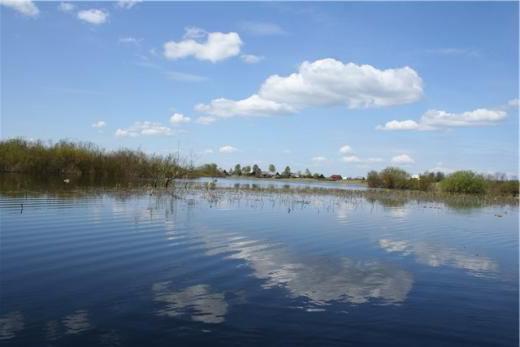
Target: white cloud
column 227, row 149
column 66, row 7
column 130, row 40
column 194, row 33
column 479, row 116
column 437, row 119
column 319, row 159
column 216, row 46
column 399, row 125
column 25, row 7
column 179, row 118
column 184, row 77
column 99, row 124
column 325, row 82
column 345, row 149
column 356, row 159
column 514, row 103
column 251, row 58
column 206, row 120
column 208, row 151
column 144, row 129
column 252, row 106
column 402, row 159
column 261, row 28
column 93, row 16
column 127, row 4
column 329, row 82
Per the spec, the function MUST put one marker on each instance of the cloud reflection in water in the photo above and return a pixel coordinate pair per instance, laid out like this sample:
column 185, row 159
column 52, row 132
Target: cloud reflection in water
column 318, row 279
column 436, row 256
column 197, row 301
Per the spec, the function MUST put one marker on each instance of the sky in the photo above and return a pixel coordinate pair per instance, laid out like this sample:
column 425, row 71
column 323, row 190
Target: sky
column 338, row 88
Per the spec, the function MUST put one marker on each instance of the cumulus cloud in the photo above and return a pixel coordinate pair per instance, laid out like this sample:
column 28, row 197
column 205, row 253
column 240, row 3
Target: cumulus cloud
column 227, row 149
column 93, row 16
column 261, row 28
column 437, row 119
column 345, row 149
column 399, row 125
column 325, row 82
column 331, row 82
column 66, row 7
column 319, row 159
column 201, row 45
column 25, row 7
column 251, row 58
column 127, row 4
column 254, row 105
column 144, row 129
column 402, row 159
column 179, row 118
column 99, row 124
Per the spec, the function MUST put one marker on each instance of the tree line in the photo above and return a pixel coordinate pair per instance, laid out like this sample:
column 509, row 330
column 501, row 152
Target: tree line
column 256, row 171
column 467, row 182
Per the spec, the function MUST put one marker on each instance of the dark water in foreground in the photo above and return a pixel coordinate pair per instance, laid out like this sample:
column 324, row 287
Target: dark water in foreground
column 145, row 270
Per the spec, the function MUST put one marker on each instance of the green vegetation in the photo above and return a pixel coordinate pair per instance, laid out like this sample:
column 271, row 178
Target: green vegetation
column 86, row 160
column 466, row 182
column 461, row 182
column 89, row 163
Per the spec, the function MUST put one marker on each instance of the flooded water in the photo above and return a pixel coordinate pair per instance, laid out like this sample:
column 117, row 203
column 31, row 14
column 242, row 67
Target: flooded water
column 141, row 269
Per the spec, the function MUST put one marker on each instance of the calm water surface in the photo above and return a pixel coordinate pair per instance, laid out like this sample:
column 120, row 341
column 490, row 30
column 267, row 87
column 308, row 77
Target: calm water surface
column 112, row 269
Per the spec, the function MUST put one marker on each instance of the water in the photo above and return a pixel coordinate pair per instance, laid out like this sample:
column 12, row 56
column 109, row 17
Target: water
column 251, row 183
column 134, row 269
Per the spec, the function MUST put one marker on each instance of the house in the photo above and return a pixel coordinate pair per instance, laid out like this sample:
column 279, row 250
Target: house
column 267, row 174
column 336, row 178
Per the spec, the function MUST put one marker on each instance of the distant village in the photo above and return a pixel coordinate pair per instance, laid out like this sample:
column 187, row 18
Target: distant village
column 256, row 171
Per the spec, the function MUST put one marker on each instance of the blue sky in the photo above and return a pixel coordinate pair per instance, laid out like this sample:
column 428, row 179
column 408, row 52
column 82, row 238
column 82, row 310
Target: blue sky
column 333, row 87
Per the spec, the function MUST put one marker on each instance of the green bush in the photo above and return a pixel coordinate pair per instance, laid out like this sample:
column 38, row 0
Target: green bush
column 395, row 178
column 373, row 180
column 507, row 188
column 466, row 182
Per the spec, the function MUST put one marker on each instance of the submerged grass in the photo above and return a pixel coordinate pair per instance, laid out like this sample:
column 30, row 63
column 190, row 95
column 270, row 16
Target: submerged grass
column 211, row 192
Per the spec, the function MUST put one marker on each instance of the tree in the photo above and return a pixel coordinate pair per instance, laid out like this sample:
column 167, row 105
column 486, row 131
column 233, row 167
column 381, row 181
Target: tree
column 272, row 168
column 394, row 178
column 373, row 180
column 308, row 173
column 257, row 171
column 439, row 176
column 464, row 182
column 287, row 172
column 238, row 170
column 246, row 170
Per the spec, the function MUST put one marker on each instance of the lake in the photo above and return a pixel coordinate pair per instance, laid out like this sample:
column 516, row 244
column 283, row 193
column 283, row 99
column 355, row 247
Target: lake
column 143, row 268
